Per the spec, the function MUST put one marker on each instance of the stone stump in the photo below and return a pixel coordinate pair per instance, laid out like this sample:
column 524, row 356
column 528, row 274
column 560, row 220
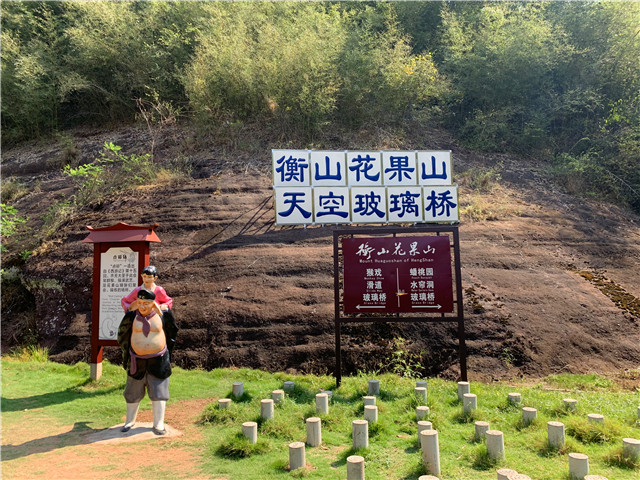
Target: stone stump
column 314, row 431
column 631, row 449
column 266, row 408
column 355, row 467
column 371, row 414
column 322, row 403
column 578, row 466
column 555, row 435
column 495, row 444
column 250, row 430
column 360, row 433
column 469, row 403
column 277, row 396
column 463, row 387
column 529, row 415
column 424, row 425
column 238, row 389
column 374, row 387
column 430, row 451
column 481, row 430
column 296, row 456
column 422, row 412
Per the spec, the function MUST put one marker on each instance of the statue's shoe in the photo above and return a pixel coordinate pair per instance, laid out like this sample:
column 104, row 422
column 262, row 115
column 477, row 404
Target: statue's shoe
column 126, row 428
column 157, row 431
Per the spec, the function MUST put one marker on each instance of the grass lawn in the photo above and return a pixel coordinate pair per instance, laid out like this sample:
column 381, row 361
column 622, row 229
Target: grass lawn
column 42, row 391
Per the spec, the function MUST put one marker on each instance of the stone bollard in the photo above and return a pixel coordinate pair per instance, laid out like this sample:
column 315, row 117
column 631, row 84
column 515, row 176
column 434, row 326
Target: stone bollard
column 427, row 477
column 422, row 412
column 595, row 477
column 250, row 430
column 266, row 408
column 314, row 432
column 238, row 389
column 639, row 412
column 289, row 386
column 506, row 474
column 360, row 433
column 631, row 449
column 529, row 415
column 495, row 444
column 329, row 393
column 463, row 387
column 355, row 467
column 514, row 398
column 520, row 476
column 481, row 430
column 296, row 456
column 369, row 400
column 421, row 394
column 374, row 387
column 424, row 425
column 570, row 404
column 430, row 451
column 578, row 466
column 469, row 403
column 371, row 414
column 421, row 383
column 277, row 396
column 595, row 418
column 555, row 434
column 322, row 403
column 224, row 403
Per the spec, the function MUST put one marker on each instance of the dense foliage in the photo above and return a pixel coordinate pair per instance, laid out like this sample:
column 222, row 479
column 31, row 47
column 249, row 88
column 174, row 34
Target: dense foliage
column 559, row 79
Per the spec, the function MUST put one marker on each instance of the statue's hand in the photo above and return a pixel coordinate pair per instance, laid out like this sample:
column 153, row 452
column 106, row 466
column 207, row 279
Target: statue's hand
column 133, row 306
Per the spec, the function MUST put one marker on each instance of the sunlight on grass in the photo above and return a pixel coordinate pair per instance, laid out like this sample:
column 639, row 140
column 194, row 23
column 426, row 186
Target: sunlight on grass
column 65, row 395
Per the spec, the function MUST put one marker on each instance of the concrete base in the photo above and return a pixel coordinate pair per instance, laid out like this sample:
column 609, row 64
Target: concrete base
column 95, row 371
column 139, row 432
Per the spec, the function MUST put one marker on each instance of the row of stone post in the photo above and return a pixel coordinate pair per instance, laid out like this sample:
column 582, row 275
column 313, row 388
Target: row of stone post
column 578, row 463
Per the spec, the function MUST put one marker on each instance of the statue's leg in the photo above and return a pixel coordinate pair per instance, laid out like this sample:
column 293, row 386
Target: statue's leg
column 132, row 413
column 159, row 394
column 133, row 393
column 158, row 407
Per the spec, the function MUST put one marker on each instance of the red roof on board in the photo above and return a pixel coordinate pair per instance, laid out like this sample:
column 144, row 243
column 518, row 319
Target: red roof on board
column 122, row 232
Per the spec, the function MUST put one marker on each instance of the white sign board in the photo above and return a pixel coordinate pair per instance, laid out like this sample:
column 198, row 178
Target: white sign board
column 118, row 276
column 344, row 187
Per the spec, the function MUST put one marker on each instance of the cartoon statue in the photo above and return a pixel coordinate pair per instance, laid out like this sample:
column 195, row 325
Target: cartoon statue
column 147, row 335
column 149, row 276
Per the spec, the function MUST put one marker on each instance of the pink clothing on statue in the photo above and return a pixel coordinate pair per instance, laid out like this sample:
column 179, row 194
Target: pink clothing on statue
column 161, row 298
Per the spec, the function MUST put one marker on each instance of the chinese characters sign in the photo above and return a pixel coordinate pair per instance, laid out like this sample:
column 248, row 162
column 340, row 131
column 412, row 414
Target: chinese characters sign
column 397, row 275
column 118, row 276
column 342, row 187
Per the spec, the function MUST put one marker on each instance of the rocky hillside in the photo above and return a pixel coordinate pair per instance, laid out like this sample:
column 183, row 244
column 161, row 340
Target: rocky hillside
column 551, row 282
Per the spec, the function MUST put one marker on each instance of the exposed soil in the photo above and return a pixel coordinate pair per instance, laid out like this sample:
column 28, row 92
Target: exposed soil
column 551, row 282
column 37, row 448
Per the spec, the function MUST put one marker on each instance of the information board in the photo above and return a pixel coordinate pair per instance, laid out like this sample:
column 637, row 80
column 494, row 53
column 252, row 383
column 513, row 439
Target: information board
column 118, row 276
column 397, row 275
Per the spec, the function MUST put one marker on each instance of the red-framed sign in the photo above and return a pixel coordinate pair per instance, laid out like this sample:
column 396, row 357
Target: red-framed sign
column 403, row 274
column 120, row 252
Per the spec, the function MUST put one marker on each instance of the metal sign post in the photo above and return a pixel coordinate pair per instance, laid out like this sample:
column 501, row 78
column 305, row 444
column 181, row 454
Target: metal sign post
column 406, row 272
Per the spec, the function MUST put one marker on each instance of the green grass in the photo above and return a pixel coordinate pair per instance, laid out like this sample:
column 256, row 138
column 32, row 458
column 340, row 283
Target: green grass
column 40, row 390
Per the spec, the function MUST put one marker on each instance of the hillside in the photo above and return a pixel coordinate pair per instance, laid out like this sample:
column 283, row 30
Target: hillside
column 551, row 281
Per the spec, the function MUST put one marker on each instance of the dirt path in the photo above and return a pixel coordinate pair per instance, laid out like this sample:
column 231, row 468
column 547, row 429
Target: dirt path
column 37, row 449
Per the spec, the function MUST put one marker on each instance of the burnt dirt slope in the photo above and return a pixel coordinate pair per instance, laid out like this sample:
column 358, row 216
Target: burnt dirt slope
column 551, row 282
